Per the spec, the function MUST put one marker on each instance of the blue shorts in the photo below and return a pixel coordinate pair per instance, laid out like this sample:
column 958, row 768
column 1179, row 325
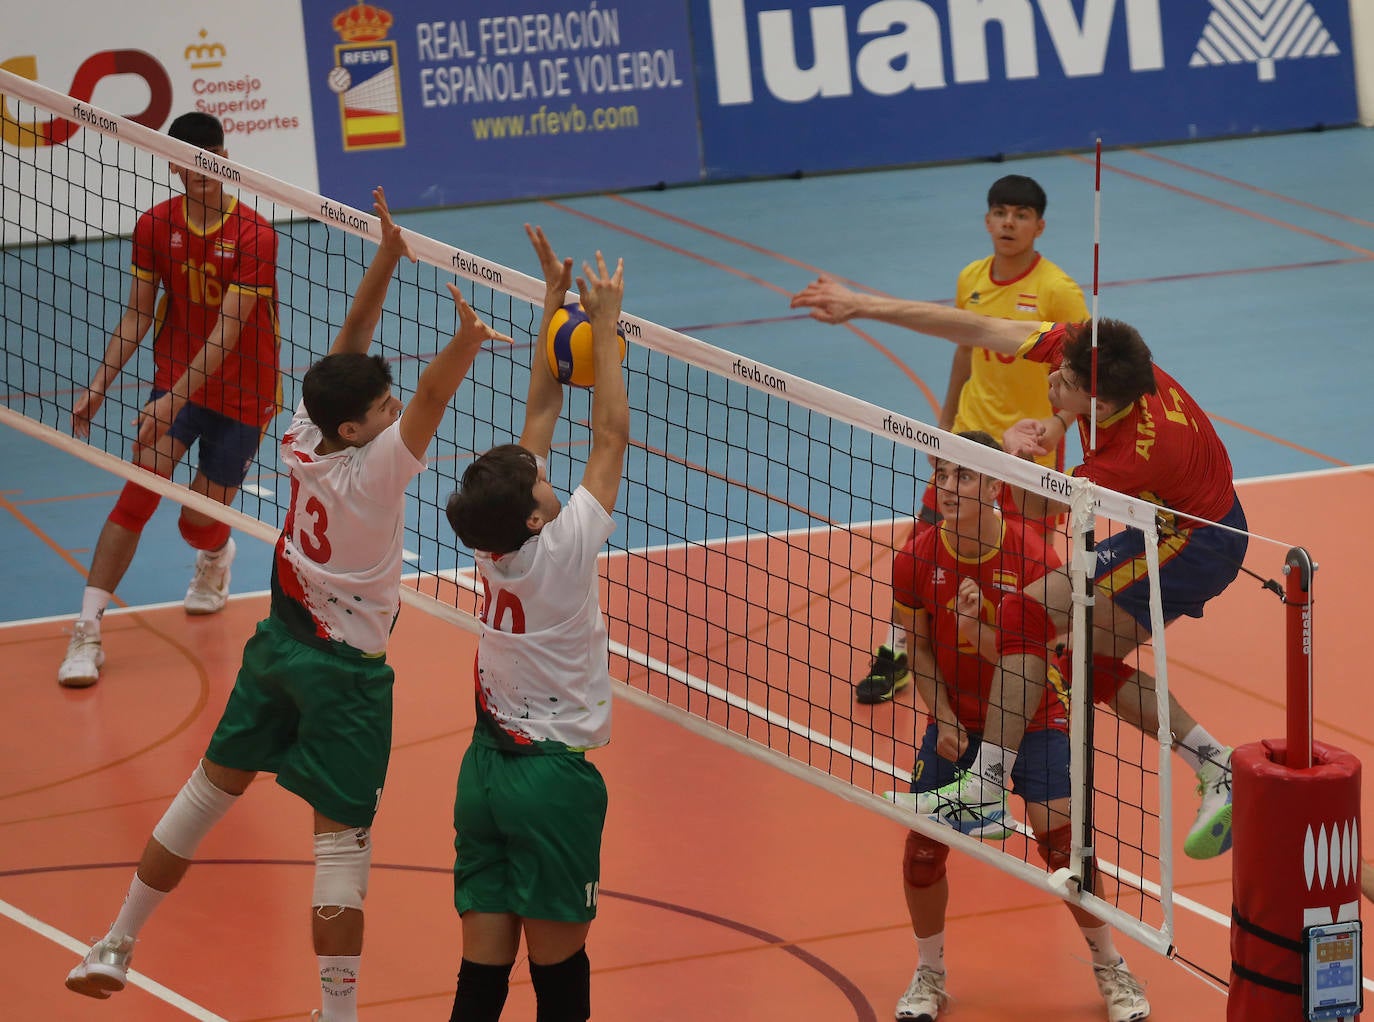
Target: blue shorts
column 227, row 446
column 1040, row 773
column 1194, row 566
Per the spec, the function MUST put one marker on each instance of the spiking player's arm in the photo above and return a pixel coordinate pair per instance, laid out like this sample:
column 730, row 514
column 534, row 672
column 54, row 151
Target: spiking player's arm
column 366, row 308
column 545, row 400
column 832, row 302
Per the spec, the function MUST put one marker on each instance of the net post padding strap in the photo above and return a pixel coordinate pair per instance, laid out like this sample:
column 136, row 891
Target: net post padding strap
column 1295, row 864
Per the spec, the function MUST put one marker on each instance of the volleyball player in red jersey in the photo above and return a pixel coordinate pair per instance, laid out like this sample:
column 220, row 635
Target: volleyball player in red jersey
column 947, row 583
column 215, row 377
column 1154, row 442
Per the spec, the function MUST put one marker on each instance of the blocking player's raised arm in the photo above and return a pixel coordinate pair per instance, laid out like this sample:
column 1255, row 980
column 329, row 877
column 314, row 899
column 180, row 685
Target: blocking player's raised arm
column 366, row 308
column 545, row 400
column 602, row 295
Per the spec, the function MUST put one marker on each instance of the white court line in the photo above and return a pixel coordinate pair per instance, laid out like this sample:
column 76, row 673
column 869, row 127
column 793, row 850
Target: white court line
column 1316, row 473
column 137, row 979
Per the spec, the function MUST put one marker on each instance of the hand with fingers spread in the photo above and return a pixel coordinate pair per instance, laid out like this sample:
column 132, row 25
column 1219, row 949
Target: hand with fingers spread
column 1026, row 439
column 393, row 237
column 557, row 272
column 602, row 294
column 472, row 329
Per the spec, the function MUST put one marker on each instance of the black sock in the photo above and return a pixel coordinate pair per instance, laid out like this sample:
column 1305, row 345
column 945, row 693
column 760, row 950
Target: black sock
column 563, row 991
column 481, row 992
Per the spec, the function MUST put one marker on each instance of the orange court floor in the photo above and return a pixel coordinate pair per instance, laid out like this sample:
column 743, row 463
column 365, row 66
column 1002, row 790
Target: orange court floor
column 731, row 890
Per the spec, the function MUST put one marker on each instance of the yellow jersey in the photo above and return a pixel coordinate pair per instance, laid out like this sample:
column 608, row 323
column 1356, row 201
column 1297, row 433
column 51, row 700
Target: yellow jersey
column 1004, row 389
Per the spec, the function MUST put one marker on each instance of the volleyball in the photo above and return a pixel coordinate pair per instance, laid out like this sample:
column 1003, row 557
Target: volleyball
column 340, row 79
column 568, row 346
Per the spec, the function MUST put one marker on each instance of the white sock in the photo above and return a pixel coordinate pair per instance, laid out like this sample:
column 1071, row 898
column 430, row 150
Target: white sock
column 93, row 604
column 930, row 951
column 1198, row 747
column 339, row 987
column 1099, row 940
column 138, row 905
column 896, row 641
column 993, row 766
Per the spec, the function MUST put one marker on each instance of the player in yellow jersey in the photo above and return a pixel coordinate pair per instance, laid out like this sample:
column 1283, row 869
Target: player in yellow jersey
column 988, row 391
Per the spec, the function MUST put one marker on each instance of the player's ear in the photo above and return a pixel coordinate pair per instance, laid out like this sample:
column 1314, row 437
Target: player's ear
column 535, row 521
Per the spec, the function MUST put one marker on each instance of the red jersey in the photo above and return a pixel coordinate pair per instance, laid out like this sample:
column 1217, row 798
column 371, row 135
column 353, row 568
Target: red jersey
column 925, row 577
column 1162, row 448
column 195, row 270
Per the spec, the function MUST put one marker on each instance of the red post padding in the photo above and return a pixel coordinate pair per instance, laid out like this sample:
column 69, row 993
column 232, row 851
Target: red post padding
column 1295, row 863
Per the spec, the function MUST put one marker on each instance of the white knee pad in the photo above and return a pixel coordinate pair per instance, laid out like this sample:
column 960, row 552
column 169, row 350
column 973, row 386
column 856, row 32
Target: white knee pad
column 196, row 809
column 342, row 861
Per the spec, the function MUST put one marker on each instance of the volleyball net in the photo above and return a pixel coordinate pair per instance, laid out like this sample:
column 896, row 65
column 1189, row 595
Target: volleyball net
column 750, row 577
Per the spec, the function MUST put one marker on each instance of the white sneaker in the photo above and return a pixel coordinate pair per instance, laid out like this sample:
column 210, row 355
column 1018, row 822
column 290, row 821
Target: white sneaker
column 104, row 970
column 81, row 666
column 1123, row 993
column 967, row 804
column 924, row 997
column 1210, row 834
column 209, row 587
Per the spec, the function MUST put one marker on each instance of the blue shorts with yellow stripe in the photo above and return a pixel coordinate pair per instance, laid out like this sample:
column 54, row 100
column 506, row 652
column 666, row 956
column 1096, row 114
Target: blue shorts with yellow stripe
column 1194, row 566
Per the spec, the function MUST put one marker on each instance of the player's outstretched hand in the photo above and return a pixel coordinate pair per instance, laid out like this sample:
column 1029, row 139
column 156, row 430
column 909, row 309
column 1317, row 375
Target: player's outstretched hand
column 1025, row 439
column 602, row 292
column 393, row 238
column 557, row 272
column 828, row 300
column 471, row 327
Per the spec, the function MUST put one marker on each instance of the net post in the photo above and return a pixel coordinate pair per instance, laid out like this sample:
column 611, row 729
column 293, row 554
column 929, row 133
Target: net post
column 1298, row 567
column 1083, row 558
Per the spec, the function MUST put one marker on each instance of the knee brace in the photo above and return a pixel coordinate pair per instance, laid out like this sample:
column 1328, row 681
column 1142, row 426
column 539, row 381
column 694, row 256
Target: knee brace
column 134, row 507
column 923, row 860
column 481, row 993
column 1109, row 675
column 203, row 537
column 197, row 808
column 563, row 991
column 1054, row 847
column 1024, row 626
column 342, row 861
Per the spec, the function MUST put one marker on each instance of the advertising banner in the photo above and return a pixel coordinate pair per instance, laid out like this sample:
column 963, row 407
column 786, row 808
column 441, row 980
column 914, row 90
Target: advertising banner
column 151, row 65
column 789, row 85
column 450, row 104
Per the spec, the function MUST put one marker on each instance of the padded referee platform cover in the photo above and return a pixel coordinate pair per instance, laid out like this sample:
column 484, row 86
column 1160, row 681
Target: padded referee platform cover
column 1296, row 863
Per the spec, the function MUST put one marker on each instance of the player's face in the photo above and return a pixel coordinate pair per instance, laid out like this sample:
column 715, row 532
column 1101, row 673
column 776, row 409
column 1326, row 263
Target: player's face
column 1067, row 391
column 200, row 187
column 380, row 415
column 1013, row 229
column 960, row 493
column 546, row 502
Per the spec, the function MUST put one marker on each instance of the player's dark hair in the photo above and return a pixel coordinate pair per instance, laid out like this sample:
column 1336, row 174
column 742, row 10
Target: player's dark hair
column 495, row 499
column 1125, row 367
column 198, row 129
column 980, row 437
column 1018, row 190
column 341, row 388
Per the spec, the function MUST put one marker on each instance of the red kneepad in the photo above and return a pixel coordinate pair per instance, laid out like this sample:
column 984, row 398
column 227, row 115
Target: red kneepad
column 134, row 507
column 923, row 860
column 203, row 537
column 1024, row 626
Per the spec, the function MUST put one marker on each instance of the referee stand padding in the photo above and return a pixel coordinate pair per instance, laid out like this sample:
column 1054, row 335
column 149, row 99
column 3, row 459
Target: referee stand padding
column 1296, row 863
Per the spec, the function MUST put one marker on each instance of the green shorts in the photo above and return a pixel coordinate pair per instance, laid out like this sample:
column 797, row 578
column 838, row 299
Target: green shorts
column 319, row 720
column 528, row 834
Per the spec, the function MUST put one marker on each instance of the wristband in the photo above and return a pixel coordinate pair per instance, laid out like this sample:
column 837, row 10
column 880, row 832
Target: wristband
column 1066, row 422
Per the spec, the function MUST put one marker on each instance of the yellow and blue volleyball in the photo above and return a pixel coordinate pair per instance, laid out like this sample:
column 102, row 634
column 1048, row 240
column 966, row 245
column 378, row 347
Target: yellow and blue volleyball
column 568, row 346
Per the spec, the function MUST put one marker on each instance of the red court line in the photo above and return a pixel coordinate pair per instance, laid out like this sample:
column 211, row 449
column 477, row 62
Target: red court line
column 1219, row 204
column 722, row 236
column 1235, row 183
column 1279, row 440
column 905, row 369
column 8, row 505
